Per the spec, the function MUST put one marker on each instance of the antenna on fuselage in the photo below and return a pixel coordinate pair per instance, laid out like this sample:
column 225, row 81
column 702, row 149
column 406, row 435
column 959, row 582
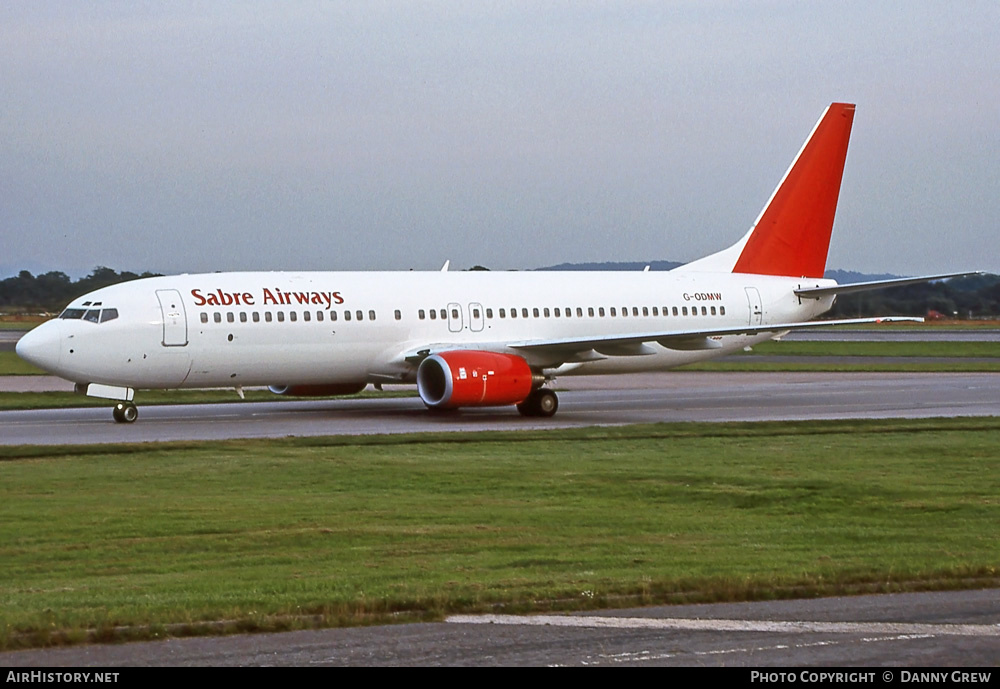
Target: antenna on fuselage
column 444, row 268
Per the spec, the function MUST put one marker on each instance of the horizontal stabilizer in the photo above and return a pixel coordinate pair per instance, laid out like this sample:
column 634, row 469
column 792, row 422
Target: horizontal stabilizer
column 819, row 292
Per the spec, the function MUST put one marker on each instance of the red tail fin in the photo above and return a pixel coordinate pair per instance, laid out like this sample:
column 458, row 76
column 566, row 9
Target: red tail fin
column 792, row 235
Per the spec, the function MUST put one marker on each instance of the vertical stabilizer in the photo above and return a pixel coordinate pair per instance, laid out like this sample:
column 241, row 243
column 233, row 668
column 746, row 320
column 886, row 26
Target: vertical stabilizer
column 791, row 236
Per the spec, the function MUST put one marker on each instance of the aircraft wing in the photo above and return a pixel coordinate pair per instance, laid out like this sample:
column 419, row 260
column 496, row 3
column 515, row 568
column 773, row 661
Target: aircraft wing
column 685, row 339
column 580, row 349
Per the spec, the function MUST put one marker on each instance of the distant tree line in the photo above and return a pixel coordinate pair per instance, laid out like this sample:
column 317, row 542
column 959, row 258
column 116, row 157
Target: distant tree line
column 52, row 291
column 972, row 297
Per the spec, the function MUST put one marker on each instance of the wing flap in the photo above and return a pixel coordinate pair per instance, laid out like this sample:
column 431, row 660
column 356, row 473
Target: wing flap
column 689, row 339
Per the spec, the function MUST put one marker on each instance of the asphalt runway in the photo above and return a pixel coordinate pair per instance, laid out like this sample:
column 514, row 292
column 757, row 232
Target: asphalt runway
column 913, row 630
column 584, row 401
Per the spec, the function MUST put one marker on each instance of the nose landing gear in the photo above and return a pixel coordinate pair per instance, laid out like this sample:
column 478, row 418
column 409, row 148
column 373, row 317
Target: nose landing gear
column 125, row 412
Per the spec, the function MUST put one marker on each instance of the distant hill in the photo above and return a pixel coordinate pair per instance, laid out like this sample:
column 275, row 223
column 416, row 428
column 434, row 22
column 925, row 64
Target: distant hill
column 611, row 265
column 844, row 277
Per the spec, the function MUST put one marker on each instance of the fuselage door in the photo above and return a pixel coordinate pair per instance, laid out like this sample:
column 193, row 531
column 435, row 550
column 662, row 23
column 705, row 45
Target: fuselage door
column 756, row 310
column 455, row 318
column 175, row 333
column 476, row 320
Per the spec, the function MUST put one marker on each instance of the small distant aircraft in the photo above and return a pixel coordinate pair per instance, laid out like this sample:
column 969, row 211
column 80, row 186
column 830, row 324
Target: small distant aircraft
column 465, row 338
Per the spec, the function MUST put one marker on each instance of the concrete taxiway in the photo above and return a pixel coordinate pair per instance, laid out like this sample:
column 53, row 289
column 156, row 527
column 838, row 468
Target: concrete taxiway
column 955, row 628
column 584, row 401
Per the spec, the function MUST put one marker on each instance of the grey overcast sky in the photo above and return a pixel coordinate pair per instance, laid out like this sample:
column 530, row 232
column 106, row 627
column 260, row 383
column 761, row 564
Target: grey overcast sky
column 201, row 136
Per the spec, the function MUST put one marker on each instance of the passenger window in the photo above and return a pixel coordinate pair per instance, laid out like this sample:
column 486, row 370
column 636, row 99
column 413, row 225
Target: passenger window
column 513, row 313
column 503, row 313
column 333, row 315
column 267, row 316
column 204, row 317
column 722, row 310
column 347, row 315
column 399, row 315
column 555, row 312
column 645, row 311
column 306, row 316
column 444, row 315
column 545, row 312
column 524, row 312
column 600, row 311
column 243, row 316
column 281, row 316
column 656, row 311
column 434, row 314
column 675, row 310
column 371, row 314
column 613, row 311
column 256, row 317
column 319, row 316
column 579, row 312
column 217, row 317
column 489, row 313
column 713, row 310
column 704, row 310
column 475, row 313
column 684, row 311
column 359, row 315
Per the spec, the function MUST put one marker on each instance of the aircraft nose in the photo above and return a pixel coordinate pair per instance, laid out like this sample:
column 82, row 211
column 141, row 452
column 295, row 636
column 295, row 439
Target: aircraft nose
column 41, row 346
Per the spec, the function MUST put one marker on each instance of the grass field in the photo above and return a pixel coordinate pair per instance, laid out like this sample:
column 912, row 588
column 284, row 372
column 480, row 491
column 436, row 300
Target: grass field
column 115, row 542
column 13, row 365
column 957, row 350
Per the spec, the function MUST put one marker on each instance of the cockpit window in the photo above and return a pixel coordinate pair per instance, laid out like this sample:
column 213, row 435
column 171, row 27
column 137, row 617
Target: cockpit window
column 90, row 315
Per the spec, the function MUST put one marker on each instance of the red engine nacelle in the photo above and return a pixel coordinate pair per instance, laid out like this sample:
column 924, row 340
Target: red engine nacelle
column 317, row 390
column 465, row 378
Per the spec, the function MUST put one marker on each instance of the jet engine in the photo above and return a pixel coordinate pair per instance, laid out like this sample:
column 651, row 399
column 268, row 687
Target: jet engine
column 465, row 378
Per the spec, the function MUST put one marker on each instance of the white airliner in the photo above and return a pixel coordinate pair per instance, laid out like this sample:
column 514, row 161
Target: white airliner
column 465, row 338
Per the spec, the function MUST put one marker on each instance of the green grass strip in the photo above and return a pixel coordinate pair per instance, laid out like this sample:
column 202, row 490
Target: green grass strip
column 139, row 541
column 13, row 365
column 749, row 365
column 878, row 349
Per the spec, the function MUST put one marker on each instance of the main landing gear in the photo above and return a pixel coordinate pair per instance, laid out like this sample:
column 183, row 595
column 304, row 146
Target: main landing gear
column 125, row 412
column 541, row 402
